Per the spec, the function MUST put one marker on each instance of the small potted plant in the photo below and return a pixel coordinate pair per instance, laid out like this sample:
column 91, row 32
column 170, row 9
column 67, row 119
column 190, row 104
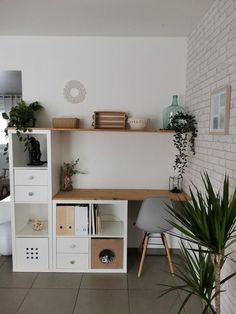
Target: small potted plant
column 22, row 118
column 184, row 125
column 68, row 170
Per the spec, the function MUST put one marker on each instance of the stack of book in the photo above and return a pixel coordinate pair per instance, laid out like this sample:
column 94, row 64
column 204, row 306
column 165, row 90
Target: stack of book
column 96, row 225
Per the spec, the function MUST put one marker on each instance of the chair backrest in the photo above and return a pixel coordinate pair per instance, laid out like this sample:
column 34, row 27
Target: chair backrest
column 153, row 214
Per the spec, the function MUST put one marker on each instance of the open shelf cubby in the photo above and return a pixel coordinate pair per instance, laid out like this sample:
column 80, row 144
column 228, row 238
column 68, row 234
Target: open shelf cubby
column 26, row 215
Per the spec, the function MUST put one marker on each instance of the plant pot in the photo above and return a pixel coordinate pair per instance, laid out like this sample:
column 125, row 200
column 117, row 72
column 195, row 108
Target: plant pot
column 66, row 181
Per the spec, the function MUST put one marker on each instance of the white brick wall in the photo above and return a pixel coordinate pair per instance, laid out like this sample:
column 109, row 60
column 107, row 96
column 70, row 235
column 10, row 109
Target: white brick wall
column 211, row 63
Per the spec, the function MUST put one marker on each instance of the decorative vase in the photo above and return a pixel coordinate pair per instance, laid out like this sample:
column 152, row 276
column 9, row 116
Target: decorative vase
column 175, row 184
column 171, row 111
column 66, row 181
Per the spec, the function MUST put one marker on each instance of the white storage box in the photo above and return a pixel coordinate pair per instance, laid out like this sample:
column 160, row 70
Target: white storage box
column 31, row 177
column 72, row 261
column 72, row 245
column 31, row 194
column 32, row 254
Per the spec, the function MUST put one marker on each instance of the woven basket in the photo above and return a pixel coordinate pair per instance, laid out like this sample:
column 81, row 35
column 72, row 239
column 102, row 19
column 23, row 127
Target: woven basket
column 67, row 123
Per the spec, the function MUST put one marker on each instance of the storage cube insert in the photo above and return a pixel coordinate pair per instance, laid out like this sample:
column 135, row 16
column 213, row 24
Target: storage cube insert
column 106, row 253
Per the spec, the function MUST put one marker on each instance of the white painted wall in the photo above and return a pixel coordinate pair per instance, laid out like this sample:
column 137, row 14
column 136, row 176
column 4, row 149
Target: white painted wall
column 135, row 75
column 211, row 63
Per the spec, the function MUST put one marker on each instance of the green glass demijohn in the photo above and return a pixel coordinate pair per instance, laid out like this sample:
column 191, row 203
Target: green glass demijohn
column 170, row 111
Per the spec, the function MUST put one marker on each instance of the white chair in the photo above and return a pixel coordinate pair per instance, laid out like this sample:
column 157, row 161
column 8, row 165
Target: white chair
column 153, row 218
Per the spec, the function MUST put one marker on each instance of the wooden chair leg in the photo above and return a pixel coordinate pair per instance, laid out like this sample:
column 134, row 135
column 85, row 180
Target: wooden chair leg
column 165, row 243
column 140, row 250
column 145, row 244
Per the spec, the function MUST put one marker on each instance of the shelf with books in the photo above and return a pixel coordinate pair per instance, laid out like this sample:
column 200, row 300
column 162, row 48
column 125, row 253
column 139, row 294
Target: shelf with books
column 110, row 229
column 80, row 228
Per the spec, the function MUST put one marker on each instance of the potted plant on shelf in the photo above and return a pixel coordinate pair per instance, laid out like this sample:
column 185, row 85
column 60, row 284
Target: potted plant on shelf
column 22, row 118
column 184, row 125
column 208, row 221
column 67, row 171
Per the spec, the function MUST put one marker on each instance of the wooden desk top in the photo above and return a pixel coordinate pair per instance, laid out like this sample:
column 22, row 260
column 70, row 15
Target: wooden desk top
column 117, row 194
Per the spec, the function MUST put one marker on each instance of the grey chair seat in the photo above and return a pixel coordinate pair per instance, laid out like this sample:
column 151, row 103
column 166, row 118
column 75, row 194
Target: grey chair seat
column 154, row 217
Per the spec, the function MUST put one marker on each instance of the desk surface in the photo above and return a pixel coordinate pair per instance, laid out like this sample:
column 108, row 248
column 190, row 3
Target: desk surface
column 117, row 194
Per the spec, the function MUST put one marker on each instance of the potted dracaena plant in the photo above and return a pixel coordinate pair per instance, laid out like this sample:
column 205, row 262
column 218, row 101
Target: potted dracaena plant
column 208, row 221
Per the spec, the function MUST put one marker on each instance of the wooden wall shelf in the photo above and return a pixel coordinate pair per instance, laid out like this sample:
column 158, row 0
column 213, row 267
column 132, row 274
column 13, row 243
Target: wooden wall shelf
column 113, row 130
column 97, row 130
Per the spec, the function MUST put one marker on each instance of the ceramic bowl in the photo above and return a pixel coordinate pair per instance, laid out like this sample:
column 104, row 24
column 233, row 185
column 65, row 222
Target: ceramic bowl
column 138, row 123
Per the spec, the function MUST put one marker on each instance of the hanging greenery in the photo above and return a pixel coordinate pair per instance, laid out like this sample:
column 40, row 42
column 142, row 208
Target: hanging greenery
column 208, row 222
column 183, row 124
column 22, row 118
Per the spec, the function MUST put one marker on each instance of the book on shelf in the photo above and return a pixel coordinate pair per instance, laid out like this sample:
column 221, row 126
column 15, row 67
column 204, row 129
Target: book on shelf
column 96, row 227
column 98, row 221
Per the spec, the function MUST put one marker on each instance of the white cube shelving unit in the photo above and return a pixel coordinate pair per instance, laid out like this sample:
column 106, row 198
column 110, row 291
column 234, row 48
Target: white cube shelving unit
column 31, row 200
column 80, row 252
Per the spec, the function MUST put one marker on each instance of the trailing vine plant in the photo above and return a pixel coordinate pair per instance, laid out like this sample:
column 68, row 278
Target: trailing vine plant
column 22, row 118
column 183, row 123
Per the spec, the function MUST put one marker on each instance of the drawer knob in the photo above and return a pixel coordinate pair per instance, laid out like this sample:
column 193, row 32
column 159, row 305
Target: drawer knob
column 73, row 246
column 72, row 262
column 31, row 177
column 31, row 193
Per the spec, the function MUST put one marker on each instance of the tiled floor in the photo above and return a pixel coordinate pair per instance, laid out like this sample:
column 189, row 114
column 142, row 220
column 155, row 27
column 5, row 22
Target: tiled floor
column 67, row 293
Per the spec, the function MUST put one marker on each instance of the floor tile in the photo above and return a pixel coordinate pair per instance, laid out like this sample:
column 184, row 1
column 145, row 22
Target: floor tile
column 8, row 279
column 102, row 302
column 10, row 300
column 4, row 258
column 194, row 304
column 49, row 301
column 57, row 280
column 104, row 281
column 155, row 272
column 148, row 302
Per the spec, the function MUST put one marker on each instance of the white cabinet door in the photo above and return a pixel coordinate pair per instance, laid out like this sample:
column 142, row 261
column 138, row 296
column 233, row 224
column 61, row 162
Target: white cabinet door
column 32, row 254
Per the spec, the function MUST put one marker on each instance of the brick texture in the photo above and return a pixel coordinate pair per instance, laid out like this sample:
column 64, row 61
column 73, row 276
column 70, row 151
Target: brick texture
column 211, row 63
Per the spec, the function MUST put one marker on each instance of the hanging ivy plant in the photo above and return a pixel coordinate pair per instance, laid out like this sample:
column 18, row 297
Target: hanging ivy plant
column 183, row 124
column 22, row 118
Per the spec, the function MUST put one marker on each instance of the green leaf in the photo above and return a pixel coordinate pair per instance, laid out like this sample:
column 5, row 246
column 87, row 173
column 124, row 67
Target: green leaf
column 208, row 220
column 5, row 116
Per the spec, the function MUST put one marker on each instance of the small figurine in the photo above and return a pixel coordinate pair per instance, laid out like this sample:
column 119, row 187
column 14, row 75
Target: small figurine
column 35, row 153
column 106, row 256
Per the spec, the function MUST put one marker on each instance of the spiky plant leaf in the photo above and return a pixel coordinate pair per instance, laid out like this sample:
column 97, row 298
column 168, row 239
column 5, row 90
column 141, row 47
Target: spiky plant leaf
column 197, row 275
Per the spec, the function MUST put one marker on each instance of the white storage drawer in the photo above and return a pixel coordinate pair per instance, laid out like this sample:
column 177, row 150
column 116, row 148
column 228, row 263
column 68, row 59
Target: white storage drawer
column 72, row 261
column 31, row 194
column 72, row 245
column 32, row 254
column 30, row 177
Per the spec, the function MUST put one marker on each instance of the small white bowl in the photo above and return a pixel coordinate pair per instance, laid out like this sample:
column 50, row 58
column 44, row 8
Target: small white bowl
column 138, row 123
